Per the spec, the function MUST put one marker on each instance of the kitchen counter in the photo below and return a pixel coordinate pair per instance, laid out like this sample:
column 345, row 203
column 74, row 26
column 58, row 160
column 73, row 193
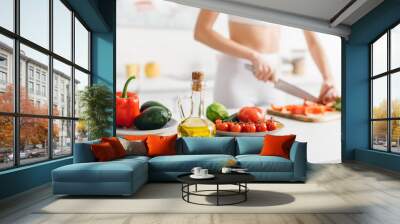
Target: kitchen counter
column 324, row 139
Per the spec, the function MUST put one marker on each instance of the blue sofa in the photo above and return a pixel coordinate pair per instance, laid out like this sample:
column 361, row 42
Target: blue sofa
column 125, row 176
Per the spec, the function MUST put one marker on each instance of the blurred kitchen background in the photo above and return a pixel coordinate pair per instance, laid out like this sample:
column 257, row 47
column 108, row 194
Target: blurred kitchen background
column 155, row 39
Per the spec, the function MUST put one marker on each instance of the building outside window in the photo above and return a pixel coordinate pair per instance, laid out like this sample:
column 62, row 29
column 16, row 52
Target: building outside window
column 30, row 87
column 3, row 78
column 44, row 77
column 37, row 75
column 385, row 97
column 57, row 128
column 3, row 72
column 30, row 72
column 44, row 91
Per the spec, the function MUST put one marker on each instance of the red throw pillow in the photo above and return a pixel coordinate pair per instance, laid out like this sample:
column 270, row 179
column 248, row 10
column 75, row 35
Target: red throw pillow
column 161, row 145
column 103, row 152
column 116, row 145
column 277, row 145
column 136, row 137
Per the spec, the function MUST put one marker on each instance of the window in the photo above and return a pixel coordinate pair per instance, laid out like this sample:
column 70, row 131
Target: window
column 38, row 74
column 7, row 14
column 62, row 29
column 44, row 127
column 6, row 73
column 30, row 87
column 81, row 45
column 34, row 21
column 3, row 61
column 30, row 72
column 44, row 91
column 385, row 98
column 3, row 78
column 37, row 89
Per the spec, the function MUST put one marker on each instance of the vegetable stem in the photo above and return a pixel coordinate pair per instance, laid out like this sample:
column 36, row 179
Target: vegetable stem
column 125, row 90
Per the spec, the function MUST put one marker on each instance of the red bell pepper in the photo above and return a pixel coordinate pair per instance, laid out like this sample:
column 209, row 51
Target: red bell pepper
column 127, row 106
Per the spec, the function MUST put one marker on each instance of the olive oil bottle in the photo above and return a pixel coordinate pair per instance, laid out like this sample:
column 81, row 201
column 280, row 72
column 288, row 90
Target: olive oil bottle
column 196, row 124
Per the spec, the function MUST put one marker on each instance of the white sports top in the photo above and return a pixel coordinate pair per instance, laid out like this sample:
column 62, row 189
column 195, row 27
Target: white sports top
column 249, row 21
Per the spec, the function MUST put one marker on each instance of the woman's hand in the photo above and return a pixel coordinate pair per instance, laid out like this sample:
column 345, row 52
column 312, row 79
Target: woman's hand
column 328, row 92
column 261, row 69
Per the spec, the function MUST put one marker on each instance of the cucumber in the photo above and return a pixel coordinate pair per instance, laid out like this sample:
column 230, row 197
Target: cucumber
column 151, row 103
column 154, row 117
column 232, row 118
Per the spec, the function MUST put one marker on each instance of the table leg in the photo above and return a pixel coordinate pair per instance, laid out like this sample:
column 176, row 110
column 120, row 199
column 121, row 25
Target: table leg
column 195, row 189
column 217, row 194
column 245, row 193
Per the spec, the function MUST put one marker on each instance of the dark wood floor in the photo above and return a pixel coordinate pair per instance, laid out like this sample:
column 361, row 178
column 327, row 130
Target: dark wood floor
column 378, row 189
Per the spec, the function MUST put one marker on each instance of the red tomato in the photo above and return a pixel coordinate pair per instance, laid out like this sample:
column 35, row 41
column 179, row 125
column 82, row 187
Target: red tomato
column 235, row 127
column 229, row 124
column 242, row 125
column 261, row 127
column 222, row 126
column 250, row 127
column 218, row 121
column 251, row 114
column 270, row 125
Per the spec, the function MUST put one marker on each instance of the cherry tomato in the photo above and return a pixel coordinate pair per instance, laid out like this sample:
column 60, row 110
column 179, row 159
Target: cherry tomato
column 251, row 114
column 250, row 127
column 270, row 125
column 242, row 125
column 235, row 127
column 229, row 123
column 222, row 126
column 261, row 127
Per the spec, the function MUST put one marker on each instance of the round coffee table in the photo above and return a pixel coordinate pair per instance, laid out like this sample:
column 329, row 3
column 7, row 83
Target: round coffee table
column 238, row 179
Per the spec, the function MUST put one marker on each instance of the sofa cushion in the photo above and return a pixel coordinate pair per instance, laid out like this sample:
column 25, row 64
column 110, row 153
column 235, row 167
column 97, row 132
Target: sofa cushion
column 83, row 152
column 277, row 145
column 161, row 145
column 134, row 147
column 249, row 145
column 185, row 163
column 103, row 152
column 112, row 171
column 257, row 163
column 217, row 145
column 116, row 145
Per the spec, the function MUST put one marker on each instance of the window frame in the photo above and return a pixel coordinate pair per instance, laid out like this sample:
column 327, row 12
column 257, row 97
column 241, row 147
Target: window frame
column 388, row 74
column 16, row 114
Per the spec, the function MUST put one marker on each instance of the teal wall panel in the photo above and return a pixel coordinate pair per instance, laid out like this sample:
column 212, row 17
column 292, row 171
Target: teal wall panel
column 355, row 55
column 24, row 178
column 380, row 159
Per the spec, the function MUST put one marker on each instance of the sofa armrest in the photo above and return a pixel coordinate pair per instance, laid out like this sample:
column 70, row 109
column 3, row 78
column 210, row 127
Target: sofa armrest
column 83, row 152
column 298, row 155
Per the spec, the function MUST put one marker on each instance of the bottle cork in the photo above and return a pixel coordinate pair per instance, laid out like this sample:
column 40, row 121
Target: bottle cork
column 197, row 79
column 197, row 76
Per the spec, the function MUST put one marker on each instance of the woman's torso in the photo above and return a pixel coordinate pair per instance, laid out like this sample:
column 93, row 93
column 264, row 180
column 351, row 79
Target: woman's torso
column 259, row 36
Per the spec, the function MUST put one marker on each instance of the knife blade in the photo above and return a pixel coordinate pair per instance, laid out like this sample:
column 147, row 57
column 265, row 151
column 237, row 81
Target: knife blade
column 290, row 88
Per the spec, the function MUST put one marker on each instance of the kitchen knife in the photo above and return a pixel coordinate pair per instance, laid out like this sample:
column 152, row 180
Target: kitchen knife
column 290, row 88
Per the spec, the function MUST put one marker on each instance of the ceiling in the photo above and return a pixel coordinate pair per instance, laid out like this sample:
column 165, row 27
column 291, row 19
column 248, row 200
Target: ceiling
column 326, row 16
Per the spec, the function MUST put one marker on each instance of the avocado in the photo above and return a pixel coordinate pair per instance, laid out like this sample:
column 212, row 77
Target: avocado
column 155, row 103
column 153, row 117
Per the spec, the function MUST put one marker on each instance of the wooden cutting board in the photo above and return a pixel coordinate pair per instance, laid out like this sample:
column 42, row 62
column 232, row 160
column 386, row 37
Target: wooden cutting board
column 327, row 116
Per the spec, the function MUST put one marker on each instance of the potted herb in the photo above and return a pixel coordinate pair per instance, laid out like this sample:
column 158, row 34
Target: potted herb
column 96, row 103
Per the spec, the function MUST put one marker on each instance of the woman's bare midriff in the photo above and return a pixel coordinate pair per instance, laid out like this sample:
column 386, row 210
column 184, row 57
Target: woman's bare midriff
column 263, row 39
